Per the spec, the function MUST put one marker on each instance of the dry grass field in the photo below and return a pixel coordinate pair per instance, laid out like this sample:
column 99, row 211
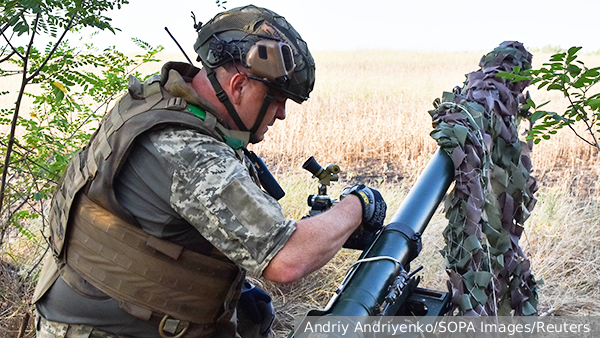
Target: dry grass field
column 368, row 113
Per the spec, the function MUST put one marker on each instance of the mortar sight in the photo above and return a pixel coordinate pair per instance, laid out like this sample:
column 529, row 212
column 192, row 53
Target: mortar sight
column 325, row 175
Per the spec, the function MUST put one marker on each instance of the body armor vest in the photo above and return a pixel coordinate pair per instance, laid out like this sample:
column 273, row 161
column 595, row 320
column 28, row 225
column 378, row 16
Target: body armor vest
column 93, row 237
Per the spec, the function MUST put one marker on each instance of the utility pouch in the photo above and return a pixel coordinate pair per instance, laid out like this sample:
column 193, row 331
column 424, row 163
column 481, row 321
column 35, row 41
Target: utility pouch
column 149, row 273
column 255, row 312
column 267, row 181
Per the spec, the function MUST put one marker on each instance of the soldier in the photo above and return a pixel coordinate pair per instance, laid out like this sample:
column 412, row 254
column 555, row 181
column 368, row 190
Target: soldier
column 157, row 220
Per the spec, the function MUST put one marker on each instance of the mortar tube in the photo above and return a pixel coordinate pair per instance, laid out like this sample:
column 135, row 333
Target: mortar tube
column 368, row 286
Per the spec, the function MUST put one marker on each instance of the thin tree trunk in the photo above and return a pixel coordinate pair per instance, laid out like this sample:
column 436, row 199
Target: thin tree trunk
column 13, row 125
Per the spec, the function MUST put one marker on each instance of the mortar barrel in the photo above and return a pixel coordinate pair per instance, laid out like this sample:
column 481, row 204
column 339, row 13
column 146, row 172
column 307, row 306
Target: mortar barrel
column 368, row 286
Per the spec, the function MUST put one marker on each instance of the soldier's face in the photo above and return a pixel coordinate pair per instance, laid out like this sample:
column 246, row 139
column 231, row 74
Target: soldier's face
column 275, row 111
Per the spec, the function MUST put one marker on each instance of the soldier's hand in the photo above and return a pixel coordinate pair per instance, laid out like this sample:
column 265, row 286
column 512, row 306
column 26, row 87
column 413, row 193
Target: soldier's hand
column 255, row 305
column 374, row 209
column 373, row 206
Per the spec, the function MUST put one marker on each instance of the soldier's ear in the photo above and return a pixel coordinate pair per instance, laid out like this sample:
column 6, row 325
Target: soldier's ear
column 237, row 83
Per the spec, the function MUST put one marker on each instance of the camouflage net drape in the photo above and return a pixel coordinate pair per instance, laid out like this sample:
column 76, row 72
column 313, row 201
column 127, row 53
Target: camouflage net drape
column 493, row 194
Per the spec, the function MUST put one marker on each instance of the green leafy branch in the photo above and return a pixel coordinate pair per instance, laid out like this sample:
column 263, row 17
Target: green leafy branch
column 62, row 117
column 67, row 83
column 570, row 76
column 70, row 87
column 221, row 3
column 41, row 17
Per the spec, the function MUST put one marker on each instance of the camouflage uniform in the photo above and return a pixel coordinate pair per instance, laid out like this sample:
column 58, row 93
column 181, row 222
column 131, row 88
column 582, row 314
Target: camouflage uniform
column 212, row 190
column 191, row 189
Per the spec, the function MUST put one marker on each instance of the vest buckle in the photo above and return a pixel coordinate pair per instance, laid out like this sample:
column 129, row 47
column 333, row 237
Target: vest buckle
column 170, row 325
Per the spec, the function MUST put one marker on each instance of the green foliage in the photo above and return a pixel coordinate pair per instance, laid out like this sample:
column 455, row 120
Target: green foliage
column 74, row 85
column 63, row 116
column 53, row 15
column 547, row 49
column 71, row 87
column 221, row 3
column 570, row 76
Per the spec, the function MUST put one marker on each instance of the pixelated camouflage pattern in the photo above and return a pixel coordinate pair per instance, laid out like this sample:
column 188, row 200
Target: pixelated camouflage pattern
column 213, row 190
column 49, row 329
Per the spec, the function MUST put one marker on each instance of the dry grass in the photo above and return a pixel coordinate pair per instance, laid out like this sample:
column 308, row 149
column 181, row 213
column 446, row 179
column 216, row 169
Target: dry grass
column 14, row 307
column 563, row 241
column 368, row 113
column 368, row 108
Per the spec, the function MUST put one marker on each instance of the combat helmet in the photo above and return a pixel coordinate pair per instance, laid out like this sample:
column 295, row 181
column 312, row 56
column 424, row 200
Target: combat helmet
column 266, row 45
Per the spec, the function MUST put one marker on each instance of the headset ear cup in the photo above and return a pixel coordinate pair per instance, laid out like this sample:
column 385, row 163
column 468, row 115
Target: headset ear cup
column 271, row 60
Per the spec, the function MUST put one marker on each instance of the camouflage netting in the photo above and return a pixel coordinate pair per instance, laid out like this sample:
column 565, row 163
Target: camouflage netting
column 493, row 193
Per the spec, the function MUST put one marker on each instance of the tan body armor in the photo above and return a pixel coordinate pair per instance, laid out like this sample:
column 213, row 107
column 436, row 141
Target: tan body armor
column 93, row 239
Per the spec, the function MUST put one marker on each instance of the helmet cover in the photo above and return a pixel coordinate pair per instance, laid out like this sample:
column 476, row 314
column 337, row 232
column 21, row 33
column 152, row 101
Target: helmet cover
column 230, row 36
